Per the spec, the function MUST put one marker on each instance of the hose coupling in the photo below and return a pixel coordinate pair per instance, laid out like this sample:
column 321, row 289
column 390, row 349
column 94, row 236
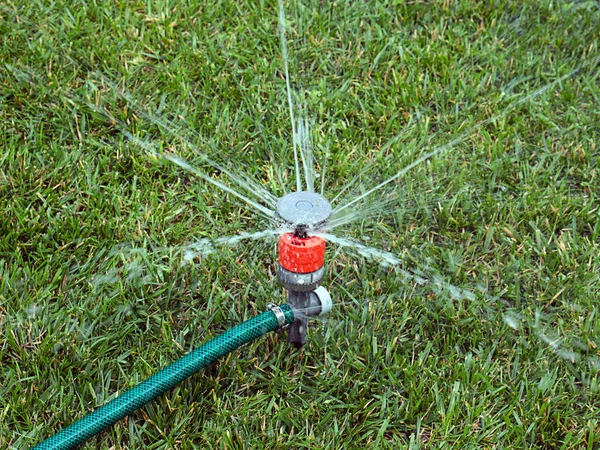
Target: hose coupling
column 279, row 315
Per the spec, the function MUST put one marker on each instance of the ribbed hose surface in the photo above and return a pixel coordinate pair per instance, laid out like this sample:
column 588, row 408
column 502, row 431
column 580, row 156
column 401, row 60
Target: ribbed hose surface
column 163, row 381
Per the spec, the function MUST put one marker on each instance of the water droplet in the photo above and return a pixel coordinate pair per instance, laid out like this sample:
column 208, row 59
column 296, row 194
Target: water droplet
column 512, row 321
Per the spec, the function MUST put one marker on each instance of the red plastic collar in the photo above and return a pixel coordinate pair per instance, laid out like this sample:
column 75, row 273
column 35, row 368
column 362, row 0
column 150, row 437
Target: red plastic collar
column 301, row 255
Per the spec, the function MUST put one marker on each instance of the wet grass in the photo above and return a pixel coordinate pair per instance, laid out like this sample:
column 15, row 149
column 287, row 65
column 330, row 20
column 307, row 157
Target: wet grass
column 93, row 293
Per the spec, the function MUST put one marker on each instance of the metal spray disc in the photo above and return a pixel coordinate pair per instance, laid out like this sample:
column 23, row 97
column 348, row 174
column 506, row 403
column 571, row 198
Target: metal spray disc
column 304, row 209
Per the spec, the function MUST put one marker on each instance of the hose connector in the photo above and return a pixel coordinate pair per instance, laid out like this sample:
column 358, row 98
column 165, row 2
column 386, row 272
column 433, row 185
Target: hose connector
column 279, row 315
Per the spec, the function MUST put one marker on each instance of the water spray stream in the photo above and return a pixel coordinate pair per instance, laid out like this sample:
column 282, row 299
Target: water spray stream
column 268, row 213
column 395, row 202
column 405, row 131
column 324, row 170
column 166, row 125
column 278, row 172
column 284, row 53
column 371, row 163
column 465, row 134
column 177, row 160
column 421, row 276
column 304, row 143
column 206, row 246
column 154, row 152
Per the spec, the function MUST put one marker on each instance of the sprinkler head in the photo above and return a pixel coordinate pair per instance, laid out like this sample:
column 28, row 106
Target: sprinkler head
column 304, row 211
column 301, row 258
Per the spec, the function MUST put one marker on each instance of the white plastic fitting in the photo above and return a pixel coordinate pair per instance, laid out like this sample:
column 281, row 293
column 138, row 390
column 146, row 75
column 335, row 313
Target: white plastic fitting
column 325, row 299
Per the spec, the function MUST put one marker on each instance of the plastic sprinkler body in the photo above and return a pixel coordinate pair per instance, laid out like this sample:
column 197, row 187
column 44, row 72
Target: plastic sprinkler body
column 301, row 259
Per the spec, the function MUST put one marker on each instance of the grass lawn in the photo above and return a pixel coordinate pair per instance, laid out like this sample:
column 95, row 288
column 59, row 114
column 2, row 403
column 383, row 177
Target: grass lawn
column 495, row 344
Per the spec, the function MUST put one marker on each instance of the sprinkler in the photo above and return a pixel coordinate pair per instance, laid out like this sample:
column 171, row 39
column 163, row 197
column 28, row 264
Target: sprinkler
column 301, row 259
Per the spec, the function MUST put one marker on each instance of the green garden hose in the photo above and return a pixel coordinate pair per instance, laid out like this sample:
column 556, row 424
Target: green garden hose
column 165, row 380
